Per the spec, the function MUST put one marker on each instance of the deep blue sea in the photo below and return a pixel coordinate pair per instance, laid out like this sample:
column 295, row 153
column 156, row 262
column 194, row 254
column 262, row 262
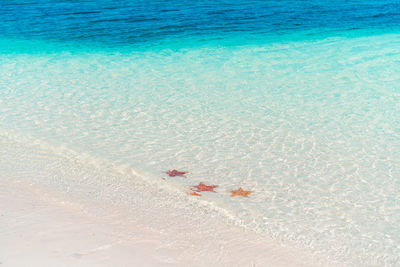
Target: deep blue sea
column 138, row 24
column 297, row 101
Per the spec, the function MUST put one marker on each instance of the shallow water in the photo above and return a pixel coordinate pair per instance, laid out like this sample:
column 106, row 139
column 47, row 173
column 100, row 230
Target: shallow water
column 308, row 122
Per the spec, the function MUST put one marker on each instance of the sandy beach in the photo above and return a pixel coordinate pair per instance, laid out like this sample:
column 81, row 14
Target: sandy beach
column 41, row 228
column 45, row 224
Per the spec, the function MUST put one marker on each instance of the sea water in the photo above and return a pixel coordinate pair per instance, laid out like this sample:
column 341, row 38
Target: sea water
column 297, row 101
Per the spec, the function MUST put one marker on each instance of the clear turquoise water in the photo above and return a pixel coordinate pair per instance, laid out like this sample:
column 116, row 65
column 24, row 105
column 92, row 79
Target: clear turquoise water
column 297, row 101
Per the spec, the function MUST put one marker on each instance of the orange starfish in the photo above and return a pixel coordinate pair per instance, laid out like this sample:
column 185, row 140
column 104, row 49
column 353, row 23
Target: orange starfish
column 195, row 194
column 174, row 173
column 240, row 192
column 204, row 187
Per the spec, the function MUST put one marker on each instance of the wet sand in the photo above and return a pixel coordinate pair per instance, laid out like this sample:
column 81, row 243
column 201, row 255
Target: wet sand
column 42, row 227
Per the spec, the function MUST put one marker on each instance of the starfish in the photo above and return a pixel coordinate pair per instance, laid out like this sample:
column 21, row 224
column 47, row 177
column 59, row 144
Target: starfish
column 240, row 192
column 195, row 194
column 204, row 187
column 174, row 173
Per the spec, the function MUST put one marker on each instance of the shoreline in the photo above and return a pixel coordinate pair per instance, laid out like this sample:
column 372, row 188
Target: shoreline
column 43, row 228
column 54, row 215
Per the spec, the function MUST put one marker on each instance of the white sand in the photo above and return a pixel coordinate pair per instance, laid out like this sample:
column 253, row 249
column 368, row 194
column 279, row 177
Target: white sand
column 55, row 211
column 39, row 227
